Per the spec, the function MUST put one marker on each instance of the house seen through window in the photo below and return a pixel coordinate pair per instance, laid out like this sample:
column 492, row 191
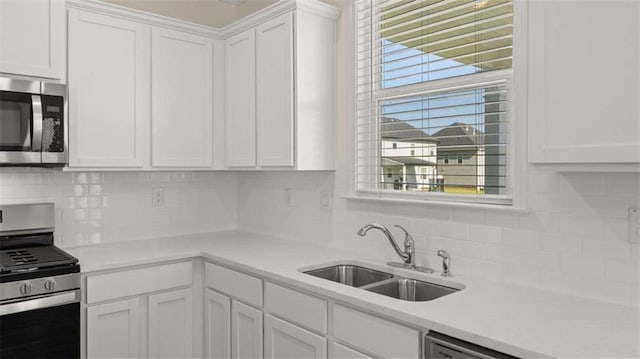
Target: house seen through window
column 433, row 79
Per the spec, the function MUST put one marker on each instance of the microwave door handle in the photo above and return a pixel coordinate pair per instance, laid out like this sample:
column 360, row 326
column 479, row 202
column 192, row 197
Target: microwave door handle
column 36, row 105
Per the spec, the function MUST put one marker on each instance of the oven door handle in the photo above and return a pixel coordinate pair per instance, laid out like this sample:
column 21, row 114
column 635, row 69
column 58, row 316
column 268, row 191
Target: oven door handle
column 40, row 303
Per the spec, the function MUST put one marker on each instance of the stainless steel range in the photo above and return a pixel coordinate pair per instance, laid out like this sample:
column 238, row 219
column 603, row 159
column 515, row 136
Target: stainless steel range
column 39, row 287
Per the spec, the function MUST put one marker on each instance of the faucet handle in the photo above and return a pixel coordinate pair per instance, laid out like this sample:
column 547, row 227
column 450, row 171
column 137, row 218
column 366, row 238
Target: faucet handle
column 407, row 236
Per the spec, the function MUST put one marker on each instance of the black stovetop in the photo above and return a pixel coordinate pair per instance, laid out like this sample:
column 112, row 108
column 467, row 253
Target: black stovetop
column 33, row 256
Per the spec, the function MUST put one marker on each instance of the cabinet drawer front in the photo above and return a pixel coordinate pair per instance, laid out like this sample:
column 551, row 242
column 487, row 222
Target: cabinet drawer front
column 374, row 335
column 285, row 340
column 241, row 286
column 138, row 281
column 341, row 352
column 299, row 308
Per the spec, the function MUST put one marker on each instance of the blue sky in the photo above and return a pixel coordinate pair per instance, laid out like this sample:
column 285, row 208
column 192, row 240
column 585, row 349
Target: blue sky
column 404, row 66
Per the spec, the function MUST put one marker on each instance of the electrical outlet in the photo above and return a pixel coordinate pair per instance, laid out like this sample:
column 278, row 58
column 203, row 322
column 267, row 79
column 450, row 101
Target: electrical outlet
column 157, row 196
column 634, row 225
column 289, row 197
column 325, row 198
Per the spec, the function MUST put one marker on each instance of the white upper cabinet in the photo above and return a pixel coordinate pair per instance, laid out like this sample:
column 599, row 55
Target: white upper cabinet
column 281, row 90
column 274, row 92
column 584, row 82
column 182, row 99
column 108, row 91
column 32, row 38
column 241, row 100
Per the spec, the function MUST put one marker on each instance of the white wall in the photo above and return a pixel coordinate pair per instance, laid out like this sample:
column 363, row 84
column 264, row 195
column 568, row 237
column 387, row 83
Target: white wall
column 573, row 239
column 105, row 207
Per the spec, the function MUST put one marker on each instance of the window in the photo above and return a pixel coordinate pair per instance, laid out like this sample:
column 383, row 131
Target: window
column 436, row 74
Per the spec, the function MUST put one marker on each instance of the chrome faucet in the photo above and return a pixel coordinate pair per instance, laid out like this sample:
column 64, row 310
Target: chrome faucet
column 408, row 255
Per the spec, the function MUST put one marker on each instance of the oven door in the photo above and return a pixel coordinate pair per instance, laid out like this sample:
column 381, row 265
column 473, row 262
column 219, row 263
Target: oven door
column 41, row 327
column 20, row 127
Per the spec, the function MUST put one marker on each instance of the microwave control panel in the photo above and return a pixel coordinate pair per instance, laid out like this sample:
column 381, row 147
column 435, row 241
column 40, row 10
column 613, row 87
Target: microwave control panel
column 53, row 124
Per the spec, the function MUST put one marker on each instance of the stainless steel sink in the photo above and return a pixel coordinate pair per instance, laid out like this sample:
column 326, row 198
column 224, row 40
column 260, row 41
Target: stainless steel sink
column 410, row 289
column 352, row 275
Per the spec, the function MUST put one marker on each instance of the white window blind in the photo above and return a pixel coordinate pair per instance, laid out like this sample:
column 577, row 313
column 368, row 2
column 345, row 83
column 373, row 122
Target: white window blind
column 433, row 98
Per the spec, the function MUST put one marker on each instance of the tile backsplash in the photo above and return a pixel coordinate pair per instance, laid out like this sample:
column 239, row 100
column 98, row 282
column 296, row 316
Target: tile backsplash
column 98, row 207
column 573, row 238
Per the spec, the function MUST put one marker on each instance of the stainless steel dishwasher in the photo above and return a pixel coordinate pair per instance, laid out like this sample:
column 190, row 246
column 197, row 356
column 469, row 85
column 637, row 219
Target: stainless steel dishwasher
column 440, row 346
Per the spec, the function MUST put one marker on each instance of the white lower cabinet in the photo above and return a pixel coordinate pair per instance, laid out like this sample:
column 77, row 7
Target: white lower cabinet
column 246, row 335
column 217, row 325
column 339, row 351
column 285, row 340
column 171, row 324
column 113, row 330
column 373, row 335
column 150, row 312
column 140, row 313
column 233, row 328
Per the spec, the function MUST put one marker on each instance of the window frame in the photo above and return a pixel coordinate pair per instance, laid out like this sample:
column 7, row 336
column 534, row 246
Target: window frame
column 516, row 81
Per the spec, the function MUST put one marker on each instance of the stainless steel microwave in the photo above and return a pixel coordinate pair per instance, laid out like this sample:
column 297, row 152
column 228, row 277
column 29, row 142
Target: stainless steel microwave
column 33, row 124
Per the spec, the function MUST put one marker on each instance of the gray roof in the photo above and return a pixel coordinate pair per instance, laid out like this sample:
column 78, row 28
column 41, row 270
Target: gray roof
column 459, row 134
column 401, row 131
column 405, row 160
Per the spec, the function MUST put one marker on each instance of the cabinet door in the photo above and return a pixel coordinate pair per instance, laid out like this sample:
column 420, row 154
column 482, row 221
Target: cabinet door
column 32, row 38
column 339, row 351
column 217, row 325
column 274, row 83
column 171, row 324
column 108, row 91
column 285, row 340
column 113, row 330
column 240, row 122
column 246, row 335
column 584, row 71
column 182, row 99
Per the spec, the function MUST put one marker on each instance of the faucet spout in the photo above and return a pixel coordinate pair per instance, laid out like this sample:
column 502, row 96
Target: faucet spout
column 407, row 255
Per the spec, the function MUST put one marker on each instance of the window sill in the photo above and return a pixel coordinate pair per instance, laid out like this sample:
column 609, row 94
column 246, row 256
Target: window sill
column 437, row 203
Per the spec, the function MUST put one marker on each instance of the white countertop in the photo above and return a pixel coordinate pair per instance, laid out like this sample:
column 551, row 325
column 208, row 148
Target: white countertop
column 521, row 321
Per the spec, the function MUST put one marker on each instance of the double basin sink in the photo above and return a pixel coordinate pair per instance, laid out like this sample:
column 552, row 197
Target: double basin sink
column 376, row 281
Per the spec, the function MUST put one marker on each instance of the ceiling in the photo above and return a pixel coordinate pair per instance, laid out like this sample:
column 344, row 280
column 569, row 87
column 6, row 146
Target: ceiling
column 215, row 13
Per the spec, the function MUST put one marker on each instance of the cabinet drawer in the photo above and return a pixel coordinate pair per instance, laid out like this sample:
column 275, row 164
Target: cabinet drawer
column 235, row 284
column 374, row 335
column 341, row 352
column 299, row 308
column 138, row 281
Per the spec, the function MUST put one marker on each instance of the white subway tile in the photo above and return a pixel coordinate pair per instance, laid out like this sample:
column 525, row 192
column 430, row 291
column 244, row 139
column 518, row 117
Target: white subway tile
column 591, row 225
column 561, row 243
column 616, row 229
column 581, row 266
column 520, row 238
column 487, row 234
column 452, row 230
column 469, row 249
column 622, row 183
column 606, row 249
column 626, row 272
column 606, row 290
column 592, row 183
